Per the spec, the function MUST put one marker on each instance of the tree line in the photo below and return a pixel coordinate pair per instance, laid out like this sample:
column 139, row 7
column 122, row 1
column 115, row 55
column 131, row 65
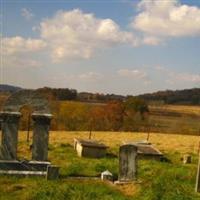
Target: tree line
column 129, row 115
column 185, row 97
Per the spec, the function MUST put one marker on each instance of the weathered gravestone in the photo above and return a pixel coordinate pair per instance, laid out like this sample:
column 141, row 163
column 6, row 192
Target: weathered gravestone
column 10, row 124
column 40, row 136
column 127, row 163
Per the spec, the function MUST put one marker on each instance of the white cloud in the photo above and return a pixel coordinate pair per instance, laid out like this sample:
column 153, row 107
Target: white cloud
column 160, row 68
column 17, row 51
column 173, row 77
column 20, row 62
column 84, row 77
column 26, row 13
column 68, row 35
column 15, row 45
column 151, row 40
column 77, row 34
column 136, row 74
column 167, row 19
column 187, row 77
column 90, row 76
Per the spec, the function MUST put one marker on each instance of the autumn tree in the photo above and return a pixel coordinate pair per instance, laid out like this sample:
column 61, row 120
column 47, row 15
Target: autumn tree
column 135, row 111
column 115, row 115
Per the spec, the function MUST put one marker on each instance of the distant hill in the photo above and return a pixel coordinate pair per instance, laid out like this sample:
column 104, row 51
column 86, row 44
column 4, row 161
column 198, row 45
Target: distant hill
column 9, row 88
column 185, row 97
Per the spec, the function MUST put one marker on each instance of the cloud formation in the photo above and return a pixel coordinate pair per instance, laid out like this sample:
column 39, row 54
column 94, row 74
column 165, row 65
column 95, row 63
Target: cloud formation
column 173, row 77
column 19, row 52
column 135, row 73
column 90, row 76
column 167, row 19
column 67, row 35
column 16, row 45
column 186, row 77
column 26, row 13
column 77, row 34
column 151, row 40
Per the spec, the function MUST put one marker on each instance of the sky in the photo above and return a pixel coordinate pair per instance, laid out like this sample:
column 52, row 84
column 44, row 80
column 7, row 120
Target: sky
column 126, row 47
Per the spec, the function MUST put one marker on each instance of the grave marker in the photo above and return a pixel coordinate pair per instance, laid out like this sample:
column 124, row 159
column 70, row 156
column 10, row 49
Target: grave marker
column 10, row 124
column 40, row 136
column 127, row 163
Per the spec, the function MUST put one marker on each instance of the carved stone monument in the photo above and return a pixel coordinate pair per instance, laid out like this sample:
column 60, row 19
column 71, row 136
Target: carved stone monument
column 40, row 136
column 10, row 123
column 127, row 163
column 9, row 164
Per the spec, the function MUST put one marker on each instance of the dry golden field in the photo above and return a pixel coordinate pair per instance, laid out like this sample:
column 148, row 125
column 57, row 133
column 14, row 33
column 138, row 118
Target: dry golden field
column 183, row 109
column 164, row 142
column 177, row 179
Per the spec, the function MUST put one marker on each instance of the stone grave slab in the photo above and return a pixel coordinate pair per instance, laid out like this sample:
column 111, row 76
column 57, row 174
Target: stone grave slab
column 147, row 150
column 90, row 148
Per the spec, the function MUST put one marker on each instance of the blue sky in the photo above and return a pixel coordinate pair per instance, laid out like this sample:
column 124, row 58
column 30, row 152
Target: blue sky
column 116, row 46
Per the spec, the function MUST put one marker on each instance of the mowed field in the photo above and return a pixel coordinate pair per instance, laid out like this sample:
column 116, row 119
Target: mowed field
column 172, row 119
column 156, row 180
column 177, row 119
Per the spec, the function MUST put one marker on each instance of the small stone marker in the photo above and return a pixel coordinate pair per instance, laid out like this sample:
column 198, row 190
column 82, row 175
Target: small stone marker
column 52, row 172
column 187, row 159
column 127, row 163
column 106, row 175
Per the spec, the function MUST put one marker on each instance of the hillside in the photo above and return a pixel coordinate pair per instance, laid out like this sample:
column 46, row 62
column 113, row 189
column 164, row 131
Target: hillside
column 181, row 97
column 9, row 88
column 184, row 97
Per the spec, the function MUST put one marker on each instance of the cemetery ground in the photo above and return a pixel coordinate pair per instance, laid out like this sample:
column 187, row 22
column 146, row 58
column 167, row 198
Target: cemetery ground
column 170, row 180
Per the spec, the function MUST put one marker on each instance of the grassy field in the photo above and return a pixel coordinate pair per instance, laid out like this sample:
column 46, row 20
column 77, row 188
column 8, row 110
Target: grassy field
column 156, row 180
column 175, row 119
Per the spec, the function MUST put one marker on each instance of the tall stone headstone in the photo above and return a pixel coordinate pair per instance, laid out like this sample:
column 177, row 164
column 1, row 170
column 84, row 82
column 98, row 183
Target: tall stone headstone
column 10, row 125
column 127, row 163
column 40, row 136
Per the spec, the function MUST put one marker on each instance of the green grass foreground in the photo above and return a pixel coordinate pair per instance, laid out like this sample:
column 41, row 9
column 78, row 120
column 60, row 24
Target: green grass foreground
column 156, row 180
